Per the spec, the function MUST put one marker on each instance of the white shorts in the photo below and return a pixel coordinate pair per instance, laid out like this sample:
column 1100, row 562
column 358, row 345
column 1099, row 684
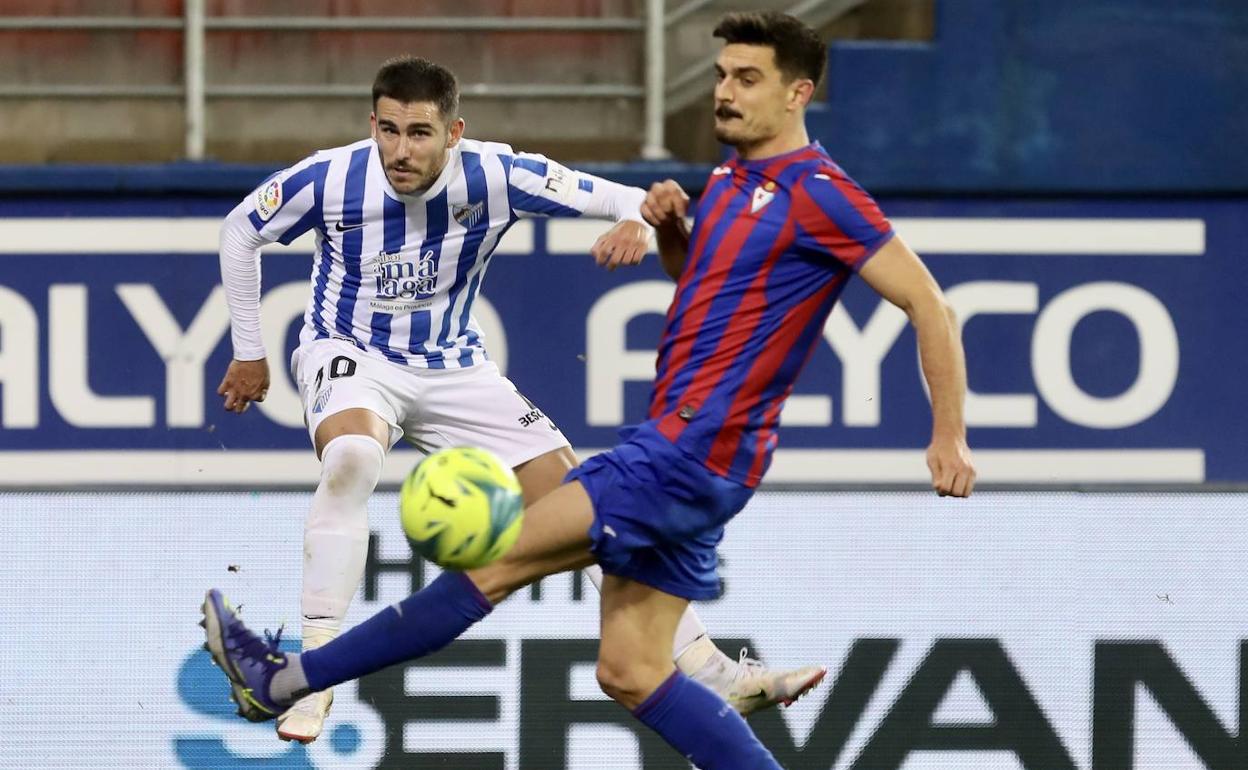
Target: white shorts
column 432, row 408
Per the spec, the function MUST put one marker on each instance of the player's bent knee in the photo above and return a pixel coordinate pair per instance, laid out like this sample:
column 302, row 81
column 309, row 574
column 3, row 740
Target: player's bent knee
column 614, row 680
column 350, row 422
column 628, row 681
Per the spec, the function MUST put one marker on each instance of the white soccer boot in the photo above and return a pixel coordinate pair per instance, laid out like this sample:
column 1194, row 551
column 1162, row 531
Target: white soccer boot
column 756, row 687
column 747, row 685
column 304, row 721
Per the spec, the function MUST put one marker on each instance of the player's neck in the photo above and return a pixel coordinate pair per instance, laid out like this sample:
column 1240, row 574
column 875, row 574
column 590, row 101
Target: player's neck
column 784, row 142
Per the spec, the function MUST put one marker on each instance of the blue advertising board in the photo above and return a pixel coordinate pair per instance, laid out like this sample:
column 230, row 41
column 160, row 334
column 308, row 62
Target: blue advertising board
column 1104, row 341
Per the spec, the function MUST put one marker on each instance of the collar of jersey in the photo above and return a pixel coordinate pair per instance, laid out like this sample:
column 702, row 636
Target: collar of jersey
column 439, row 184
column 757, row 163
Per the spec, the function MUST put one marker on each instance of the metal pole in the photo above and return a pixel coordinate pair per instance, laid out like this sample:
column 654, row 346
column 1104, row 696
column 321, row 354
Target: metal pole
column 427, row 23
column 193, row 71
column 655, row 146
column 687, row 10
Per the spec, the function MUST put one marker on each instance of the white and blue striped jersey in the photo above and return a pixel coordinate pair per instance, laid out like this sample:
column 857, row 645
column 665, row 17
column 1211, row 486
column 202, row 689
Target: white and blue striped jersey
column 397, row 274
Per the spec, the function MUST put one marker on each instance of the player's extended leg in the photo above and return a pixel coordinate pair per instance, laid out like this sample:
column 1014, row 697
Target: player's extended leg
column 351, row 445
column 635, row 668
column 266, row 682
column 746, row 684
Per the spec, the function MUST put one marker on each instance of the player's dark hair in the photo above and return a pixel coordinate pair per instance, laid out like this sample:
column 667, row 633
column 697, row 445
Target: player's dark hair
column 410, row 79
column 799, row 51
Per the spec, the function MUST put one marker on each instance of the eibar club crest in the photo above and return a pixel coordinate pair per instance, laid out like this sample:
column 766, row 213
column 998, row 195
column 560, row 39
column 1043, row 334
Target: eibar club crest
column 762, row 196
column 468, row 214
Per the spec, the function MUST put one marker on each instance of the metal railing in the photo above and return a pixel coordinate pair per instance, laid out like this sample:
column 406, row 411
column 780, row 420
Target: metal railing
column 661, row 97
column 318, row 23
column 195, row 24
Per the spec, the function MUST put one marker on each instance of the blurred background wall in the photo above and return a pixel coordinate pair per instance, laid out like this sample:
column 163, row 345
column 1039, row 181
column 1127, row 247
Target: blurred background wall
column 973, row 95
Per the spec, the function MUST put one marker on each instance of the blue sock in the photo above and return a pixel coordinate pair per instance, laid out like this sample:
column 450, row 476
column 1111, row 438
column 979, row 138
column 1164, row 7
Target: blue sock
column 423, row 623
column 698, row 724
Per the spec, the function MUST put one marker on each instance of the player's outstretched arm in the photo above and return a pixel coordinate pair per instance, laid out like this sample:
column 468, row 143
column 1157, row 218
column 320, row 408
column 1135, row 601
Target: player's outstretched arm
column 897, row 274
column 247, row 378
column 665, row 207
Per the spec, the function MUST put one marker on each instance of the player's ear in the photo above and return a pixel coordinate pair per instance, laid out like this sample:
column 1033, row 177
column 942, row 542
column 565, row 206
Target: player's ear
column 455, row 132
column 801, row 92
column 372, row 124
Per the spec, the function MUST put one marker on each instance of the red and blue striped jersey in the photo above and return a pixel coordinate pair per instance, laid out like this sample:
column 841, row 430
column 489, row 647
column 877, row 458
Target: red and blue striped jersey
column 773, row 243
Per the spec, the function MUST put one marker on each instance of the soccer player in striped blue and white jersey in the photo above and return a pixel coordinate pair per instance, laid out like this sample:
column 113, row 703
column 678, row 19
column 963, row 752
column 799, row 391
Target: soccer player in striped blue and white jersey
column 406, row 222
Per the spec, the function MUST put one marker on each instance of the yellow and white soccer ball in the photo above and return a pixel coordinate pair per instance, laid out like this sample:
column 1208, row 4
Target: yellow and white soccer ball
column 461, row 508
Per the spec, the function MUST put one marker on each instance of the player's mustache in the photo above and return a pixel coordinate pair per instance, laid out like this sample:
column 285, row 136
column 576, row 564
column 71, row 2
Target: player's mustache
column 724, row 112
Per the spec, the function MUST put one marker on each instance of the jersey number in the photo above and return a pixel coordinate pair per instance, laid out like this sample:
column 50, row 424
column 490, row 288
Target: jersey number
column 341, row 366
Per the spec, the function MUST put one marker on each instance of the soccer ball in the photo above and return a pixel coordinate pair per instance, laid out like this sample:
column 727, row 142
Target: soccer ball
column 461, row 508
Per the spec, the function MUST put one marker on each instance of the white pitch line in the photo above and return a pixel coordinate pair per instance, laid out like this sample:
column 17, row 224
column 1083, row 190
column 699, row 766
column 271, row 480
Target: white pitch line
column 832, row 466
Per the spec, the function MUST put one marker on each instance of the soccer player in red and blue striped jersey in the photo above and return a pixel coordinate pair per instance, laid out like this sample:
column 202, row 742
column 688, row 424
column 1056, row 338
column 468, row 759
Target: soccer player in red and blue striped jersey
column 774, row 242
column 778, row 232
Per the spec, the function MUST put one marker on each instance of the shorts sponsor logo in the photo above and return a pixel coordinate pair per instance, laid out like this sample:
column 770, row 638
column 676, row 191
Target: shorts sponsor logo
column 531, row 417
column 534, row 415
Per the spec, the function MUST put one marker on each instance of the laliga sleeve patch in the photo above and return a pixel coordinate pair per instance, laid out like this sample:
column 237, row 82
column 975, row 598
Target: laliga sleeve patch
column 269, row 200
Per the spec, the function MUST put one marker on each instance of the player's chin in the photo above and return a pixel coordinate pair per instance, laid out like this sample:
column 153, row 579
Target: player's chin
column 725, row 135
column 405, row 182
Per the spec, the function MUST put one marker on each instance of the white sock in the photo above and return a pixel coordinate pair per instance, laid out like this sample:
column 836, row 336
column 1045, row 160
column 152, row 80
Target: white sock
column 688, row 631
column 295, row 685
column 706, row 664
column 317, row 636
column 335, row 536
column 692, row 649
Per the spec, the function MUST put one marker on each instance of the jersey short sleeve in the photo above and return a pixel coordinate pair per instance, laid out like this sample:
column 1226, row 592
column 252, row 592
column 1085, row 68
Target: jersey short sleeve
column 288, row 203
column 836, row 217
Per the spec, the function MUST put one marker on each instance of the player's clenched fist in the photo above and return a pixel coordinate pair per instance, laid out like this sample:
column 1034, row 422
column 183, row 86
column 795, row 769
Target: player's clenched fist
column 953, row 473
column 665, row 204
column 244, row 382
column 624, row 244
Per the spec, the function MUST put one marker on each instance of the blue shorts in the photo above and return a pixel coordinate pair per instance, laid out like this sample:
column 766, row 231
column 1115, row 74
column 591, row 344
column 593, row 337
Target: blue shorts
column 658, row 515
